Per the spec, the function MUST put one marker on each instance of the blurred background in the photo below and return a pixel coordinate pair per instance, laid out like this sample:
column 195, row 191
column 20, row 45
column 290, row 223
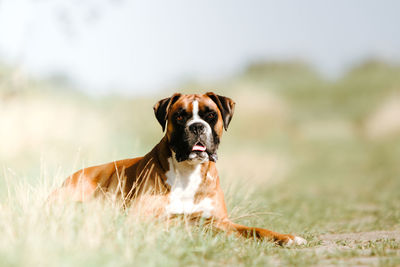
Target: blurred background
column 317, row 85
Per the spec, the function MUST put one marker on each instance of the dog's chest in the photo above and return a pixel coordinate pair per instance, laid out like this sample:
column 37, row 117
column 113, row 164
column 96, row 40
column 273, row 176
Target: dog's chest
column 185, row 182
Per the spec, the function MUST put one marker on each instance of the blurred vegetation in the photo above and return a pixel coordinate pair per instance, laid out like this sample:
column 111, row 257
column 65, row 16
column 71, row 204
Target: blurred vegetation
column 278, row 103
column 319, row 156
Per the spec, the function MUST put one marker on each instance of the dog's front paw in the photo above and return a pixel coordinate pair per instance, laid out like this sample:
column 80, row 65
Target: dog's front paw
column 295, row 241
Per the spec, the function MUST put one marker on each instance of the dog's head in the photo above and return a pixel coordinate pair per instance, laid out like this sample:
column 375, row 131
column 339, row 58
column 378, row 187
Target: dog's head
column 194, row 124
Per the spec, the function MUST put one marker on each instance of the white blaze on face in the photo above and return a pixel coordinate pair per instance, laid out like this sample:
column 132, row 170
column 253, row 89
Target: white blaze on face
column 195, row 110
column 196, row 118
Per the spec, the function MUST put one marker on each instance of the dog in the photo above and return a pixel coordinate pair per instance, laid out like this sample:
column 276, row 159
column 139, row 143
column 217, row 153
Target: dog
column 179, row 175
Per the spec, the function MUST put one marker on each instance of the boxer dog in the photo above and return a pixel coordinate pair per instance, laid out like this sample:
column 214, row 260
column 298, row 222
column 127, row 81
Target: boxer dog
column 178, row 176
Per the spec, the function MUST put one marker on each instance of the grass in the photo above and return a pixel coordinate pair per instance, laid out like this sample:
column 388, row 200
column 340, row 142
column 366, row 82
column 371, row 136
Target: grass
column 304, row 163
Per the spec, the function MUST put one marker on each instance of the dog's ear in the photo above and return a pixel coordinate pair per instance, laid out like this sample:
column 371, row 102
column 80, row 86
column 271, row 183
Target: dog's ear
column 226, row 107
column 161, row 108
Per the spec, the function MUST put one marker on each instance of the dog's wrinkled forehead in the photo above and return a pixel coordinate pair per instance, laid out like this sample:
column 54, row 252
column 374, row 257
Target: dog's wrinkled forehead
column 193, row 103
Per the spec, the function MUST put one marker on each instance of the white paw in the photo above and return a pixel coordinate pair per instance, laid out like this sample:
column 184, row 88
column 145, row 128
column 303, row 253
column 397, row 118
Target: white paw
column 297, row 240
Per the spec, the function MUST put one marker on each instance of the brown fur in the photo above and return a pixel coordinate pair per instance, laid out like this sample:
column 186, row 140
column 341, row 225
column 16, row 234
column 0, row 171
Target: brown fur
column 141, row 182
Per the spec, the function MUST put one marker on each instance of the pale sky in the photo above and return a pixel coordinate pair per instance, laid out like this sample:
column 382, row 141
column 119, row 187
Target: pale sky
column 145, row 46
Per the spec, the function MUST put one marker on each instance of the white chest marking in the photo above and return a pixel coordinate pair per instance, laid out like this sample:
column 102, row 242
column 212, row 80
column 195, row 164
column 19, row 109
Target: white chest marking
column 184, row 180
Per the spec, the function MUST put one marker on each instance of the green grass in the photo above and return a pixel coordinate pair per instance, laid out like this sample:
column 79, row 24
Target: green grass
column 356, row 190
column 303, row 163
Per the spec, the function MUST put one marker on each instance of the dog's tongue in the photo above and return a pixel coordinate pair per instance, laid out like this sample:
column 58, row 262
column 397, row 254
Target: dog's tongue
column 198, row 147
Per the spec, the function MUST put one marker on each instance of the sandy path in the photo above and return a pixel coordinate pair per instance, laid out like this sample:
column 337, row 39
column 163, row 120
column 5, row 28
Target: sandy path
column 362, row 236
column 337, row 243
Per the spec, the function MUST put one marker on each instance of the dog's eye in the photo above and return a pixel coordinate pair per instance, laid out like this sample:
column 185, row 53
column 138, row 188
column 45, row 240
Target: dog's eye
column 210, row 116
column 179, row 118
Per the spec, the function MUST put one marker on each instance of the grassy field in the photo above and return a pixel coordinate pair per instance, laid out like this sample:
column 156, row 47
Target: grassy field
column 303, row 155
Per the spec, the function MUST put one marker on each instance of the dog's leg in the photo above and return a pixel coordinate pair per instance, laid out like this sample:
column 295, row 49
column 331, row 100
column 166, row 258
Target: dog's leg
column 260, row 233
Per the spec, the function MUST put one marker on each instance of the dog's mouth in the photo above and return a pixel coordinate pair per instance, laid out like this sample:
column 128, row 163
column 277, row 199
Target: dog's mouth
column 199, row 147
column 198, row 153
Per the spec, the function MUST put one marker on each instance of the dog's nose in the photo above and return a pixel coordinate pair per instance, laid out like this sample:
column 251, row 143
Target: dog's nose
column 197, row 128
